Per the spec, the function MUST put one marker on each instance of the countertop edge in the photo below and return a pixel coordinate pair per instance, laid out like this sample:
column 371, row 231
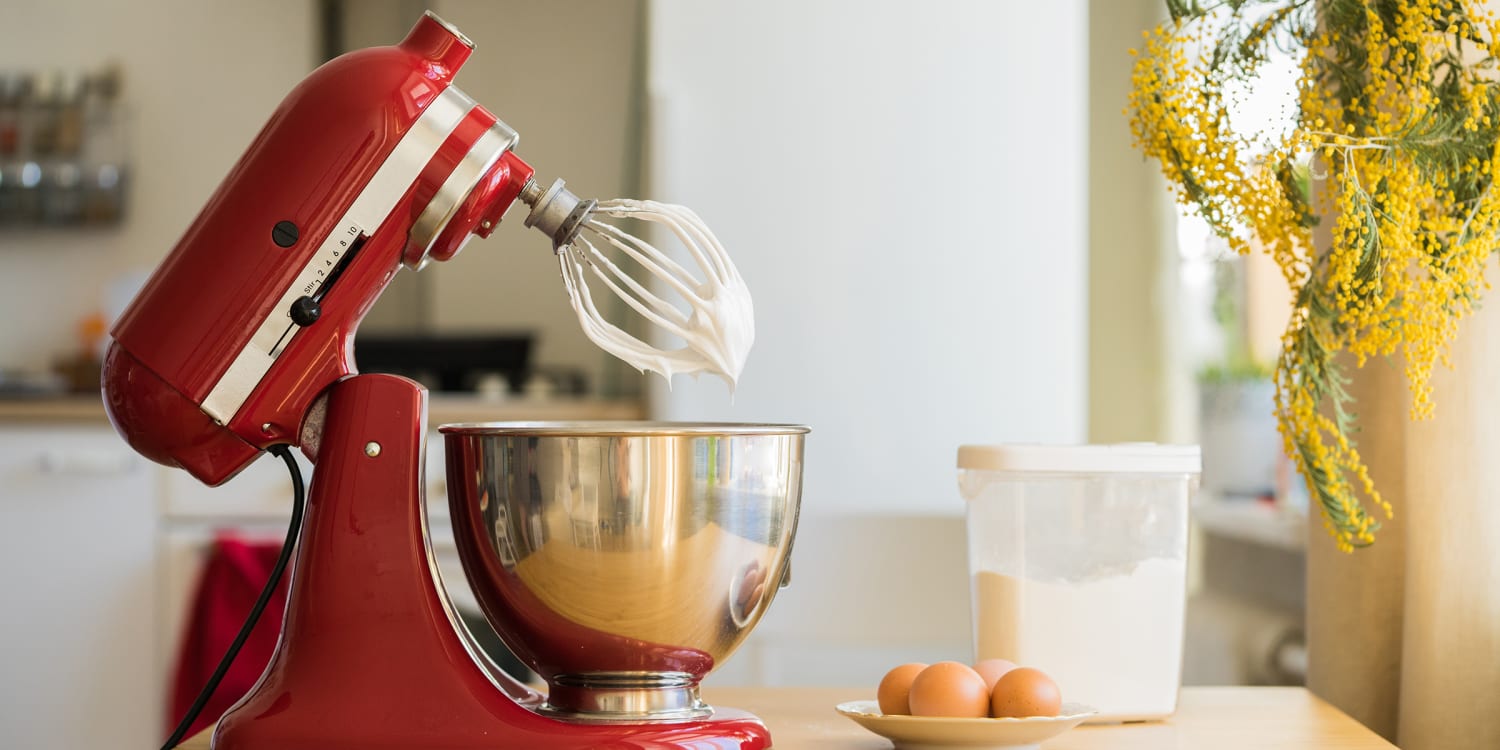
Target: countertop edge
column 441, row 409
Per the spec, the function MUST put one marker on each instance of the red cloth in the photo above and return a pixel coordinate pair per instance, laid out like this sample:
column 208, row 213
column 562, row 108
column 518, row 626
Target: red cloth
column 236, row 571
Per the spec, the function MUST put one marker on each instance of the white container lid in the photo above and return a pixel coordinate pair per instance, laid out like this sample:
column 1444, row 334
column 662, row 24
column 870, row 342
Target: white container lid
column 1121, row 458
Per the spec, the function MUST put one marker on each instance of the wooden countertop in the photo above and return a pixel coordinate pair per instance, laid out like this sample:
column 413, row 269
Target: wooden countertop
column 1213, row 718
column 442, row 409
column 59, row 409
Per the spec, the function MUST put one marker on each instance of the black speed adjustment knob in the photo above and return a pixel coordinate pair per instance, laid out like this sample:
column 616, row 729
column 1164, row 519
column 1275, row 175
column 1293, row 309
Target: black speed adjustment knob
column 305, row 311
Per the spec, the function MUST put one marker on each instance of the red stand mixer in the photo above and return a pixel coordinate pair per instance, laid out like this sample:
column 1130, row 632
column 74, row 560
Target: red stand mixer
column 622, row 562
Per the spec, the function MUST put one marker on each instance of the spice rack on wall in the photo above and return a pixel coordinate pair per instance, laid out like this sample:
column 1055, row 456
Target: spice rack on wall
column 63, row 153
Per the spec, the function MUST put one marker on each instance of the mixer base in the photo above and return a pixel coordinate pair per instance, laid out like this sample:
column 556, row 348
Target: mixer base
column 371, row 655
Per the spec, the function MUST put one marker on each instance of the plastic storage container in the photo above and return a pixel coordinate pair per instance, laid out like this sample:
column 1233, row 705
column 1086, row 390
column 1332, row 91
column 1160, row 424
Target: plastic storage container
column 1078, row 560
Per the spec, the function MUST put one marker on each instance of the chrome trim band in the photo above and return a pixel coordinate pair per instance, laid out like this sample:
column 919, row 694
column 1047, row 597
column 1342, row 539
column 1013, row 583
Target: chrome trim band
column 400, row 169
column 608, row 697
column 487, row 150
column 451, row 29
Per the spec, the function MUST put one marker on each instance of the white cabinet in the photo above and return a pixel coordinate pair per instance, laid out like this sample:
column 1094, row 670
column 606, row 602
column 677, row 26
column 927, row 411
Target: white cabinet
column 262, row 492
column 78, row 592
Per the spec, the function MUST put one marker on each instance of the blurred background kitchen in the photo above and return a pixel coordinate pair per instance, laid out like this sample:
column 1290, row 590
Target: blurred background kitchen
column 937, row 206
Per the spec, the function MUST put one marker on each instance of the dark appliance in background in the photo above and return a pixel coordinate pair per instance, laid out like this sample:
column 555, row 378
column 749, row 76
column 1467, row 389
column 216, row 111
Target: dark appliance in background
column 448, row 362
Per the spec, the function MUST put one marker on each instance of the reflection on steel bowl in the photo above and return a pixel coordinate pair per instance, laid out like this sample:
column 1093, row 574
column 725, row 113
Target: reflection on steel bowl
column 622, row 561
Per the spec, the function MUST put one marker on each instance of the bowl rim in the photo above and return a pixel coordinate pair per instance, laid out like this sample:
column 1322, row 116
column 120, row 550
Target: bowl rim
column 619, row 428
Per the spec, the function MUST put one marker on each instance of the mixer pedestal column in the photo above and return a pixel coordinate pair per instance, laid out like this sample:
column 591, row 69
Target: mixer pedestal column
column 371, row 654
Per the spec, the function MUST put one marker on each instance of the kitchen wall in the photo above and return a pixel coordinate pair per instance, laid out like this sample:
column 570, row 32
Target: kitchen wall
column 910, row 214
column 903, row 187
column 200, row 78
column 1140, row 386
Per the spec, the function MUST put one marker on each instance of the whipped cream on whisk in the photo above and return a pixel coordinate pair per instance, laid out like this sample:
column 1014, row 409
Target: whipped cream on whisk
column 718, row 326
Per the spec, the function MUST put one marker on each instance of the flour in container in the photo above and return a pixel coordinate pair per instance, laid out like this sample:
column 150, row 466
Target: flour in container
column 1114, row 643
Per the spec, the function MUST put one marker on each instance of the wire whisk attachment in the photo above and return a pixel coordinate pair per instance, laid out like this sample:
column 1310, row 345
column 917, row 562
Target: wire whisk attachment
column 712, row 314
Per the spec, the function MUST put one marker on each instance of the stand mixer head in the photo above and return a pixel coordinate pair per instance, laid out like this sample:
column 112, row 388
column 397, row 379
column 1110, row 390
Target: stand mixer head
column 243, row 340
column 374, row 163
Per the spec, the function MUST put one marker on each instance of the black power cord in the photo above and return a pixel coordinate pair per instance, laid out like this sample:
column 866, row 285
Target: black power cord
column 298, row 500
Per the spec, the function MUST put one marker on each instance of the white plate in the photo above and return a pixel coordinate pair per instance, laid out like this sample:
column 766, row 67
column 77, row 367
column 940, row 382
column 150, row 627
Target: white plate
column 934, row 732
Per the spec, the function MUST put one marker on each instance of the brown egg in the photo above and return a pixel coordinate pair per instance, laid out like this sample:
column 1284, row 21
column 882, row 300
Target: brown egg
column 949, row 688
column 1024, row 691
column 895, row 687
column 992, row 670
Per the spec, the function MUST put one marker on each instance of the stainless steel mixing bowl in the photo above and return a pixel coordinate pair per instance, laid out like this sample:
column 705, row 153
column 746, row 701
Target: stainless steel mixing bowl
column 622, row 561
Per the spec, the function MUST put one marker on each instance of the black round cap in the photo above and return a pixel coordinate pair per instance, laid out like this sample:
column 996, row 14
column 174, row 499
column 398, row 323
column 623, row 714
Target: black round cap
column 284, row 233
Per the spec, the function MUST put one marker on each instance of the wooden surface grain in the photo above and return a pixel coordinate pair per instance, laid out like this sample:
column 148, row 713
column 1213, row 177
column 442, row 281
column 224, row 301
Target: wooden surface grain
column 1215, row 718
